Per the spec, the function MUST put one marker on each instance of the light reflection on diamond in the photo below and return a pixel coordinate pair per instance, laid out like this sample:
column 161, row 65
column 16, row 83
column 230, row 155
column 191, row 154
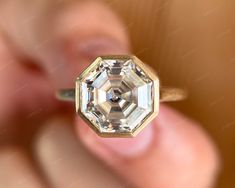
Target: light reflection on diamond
column 116, row 96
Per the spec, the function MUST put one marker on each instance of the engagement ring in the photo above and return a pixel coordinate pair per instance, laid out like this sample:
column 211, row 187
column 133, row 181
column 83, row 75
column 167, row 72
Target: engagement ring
column 118, row 95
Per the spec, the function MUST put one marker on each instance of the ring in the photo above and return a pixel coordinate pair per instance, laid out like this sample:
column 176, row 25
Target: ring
column 118, row 95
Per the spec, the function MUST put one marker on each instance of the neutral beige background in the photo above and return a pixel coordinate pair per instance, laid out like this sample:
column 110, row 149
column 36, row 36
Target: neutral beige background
column 191, row 43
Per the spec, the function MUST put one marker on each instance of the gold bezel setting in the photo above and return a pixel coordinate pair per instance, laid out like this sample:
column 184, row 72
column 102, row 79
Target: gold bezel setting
column 155, row 95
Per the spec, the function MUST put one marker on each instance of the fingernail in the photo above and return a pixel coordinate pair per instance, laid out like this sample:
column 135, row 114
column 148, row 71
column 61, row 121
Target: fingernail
column 80, row 53
column 93, row 47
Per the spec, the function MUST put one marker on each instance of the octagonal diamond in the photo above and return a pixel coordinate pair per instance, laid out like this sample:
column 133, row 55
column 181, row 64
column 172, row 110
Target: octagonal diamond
column 116, row 95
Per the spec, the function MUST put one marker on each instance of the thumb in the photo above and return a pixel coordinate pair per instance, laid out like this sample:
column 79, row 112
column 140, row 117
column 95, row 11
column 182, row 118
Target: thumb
column 172, row 152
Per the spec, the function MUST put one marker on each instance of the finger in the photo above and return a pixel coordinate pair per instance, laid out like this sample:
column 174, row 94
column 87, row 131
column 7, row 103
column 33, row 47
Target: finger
column 66, row 162
column 95, row 31
column 171, row 152
column 25, row 93
column 64, row 38
column 17, row 171
column 21, row 87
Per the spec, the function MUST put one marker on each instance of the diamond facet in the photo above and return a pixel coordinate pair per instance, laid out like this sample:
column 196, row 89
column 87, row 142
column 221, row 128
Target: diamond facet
column 116, row 95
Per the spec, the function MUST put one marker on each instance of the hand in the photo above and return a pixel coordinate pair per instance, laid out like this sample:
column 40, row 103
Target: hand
column 44, row 45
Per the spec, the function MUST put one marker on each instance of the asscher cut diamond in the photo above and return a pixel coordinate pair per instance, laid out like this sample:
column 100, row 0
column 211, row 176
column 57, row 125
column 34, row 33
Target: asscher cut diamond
column 116, row 95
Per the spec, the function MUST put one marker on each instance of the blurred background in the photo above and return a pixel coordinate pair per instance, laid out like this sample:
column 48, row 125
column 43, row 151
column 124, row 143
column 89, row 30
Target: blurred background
column 191, row 44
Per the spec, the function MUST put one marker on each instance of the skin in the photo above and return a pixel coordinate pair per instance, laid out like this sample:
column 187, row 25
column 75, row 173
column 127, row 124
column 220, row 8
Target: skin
column 43, row 143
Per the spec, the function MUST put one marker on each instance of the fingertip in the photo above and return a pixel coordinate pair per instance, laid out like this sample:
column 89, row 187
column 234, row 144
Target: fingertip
column 83, row 31
column 175, row 148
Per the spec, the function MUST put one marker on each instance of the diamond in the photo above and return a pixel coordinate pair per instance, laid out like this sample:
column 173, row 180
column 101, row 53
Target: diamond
column 116, row 95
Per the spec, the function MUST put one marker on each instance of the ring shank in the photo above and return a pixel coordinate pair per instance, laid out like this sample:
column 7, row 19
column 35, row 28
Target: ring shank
column 66, row 94
column 167, row 94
